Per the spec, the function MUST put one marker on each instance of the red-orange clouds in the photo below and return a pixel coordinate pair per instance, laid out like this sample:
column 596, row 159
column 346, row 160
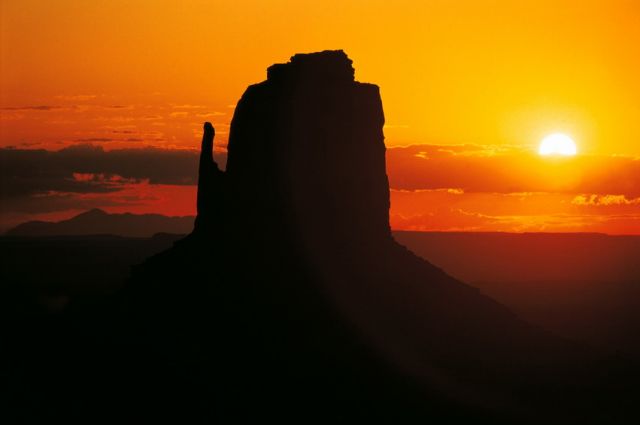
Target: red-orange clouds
column 509, row 169
column 474, row 188
column 40, row 184
column 433, row 187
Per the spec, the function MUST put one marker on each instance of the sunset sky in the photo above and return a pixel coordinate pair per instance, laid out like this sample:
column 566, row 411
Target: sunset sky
column 102, row 103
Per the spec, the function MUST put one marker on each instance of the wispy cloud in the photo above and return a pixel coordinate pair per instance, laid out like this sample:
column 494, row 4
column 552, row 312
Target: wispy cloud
column 77, row 97
column 449, row 210
column 95, row 139
column 604, row 200
column 29, row 172
column 508, row 169
column 31, row 108
column 210, row 114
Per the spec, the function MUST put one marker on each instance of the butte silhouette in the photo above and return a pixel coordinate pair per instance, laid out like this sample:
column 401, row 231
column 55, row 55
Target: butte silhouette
column 291, row 300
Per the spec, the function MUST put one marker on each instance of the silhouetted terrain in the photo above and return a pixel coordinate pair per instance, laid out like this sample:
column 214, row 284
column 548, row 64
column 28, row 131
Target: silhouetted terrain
column 98, row 222
column 291, row 301
column 581, row 286
column 46, row 274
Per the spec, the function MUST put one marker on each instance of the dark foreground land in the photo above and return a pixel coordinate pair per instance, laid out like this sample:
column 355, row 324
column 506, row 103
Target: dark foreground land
column 45, row 275
column 57, row 294
column 581, row 286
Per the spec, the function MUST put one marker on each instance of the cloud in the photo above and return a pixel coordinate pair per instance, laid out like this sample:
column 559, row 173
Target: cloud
column 26, row 172
column 508, row 169
column 187, row 106
column 449, row 210
column 31, row 108
column 95, row 139
column 77, row 97
column 103, row 179
column 210, row 114
column 457, row 220
column 604, row 200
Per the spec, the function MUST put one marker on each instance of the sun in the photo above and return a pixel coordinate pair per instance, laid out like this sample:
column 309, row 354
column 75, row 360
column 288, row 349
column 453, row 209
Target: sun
column 557, row 144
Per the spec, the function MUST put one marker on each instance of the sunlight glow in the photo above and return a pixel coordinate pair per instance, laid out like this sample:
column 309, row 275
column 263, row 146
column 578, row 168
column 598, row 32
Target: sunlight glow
column 557, row 144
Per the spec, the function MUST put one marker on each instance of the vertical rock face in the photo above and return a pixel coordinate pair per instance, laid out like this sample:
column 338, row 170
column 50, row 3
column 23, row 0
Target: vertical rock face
column 211, row 186
column 307, row 155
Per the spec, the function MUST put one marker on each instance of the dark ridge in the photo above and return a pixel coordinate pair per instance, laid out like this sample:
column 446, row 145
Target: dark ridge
column 99, row 222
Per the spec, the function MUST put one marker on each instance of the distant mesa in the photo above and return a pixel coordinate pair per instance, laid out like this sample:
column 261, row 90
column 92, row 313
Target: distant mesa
column 99, row 222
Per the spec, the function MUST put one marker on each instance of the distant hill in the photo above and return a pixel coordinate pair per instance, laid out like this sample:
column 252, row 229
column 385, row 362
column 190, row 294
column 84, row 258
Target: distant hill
column 99, row 222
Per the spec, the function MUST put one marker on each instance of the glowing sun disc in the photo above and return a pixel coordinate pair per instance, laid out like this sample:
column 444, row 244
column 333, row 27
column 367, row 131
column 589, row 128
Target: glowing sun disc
column 557, row 144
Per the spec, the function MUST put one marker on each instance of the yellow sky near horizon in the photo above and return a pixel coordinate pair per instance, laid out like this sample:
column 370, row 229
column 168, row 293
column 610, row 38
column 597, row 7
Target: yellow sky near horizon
column 484, row 72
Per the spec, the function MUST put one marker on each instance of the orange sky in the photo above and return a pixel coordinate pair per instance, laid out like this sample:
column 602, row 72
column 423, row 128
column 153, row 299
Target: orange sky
column 495, row 75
